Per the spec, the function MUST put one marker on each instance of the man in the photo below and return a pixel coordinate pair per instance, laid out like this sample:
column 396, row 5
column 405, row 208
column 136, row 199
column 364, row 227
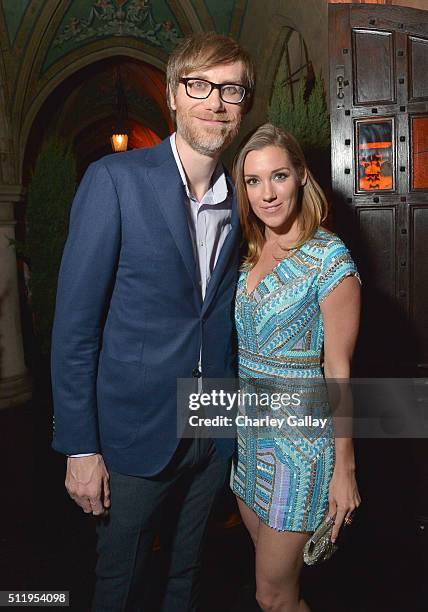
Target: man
column 144, row 298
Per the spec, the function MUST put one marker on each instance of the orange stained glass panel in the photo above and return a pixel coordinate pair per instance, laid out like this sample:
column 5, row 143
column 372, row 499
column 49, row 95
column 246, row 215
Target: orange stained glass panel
column 375, row 155
column 420, row 152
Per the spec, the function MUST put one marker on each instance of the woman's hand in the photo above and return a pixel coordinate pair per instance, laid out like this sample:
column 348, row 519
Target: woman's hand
column 343, row 497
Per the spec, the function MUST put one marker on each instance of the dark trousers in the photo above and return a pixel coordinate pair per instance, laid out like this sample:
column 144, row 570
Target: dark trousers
column 176, row 503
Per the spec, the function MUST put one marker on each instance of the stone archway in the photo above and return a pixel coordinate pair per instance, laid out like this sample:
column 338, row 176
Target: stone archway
column 81, row 99
column 70, row 67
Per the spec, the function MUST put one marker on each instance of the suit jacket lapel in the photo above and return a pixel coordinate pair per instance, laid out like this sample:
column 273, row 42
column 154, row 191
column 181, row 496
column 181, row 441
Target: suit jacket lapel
column 170, row 194
column 168, row 187
column 225, row 253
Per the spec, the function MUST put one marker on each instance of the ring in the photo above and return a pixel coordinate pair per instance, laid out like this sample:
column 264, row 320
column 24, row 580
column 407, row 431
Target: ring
column 348, row 520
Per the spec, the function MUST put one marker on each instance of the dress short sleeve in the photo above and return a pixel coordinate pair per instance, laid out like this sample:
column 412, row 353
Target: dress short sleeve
column 337, row 264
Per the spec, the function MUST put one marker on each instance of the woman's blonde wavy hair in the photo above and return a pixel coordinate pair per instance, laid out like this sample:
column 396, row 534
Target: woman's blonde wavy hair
column 313, row 206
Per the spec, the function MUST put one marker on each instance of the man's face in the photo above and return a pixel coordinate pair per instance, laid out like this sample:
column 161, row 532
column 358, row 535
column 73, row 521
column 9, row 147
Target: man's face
column 209, row 125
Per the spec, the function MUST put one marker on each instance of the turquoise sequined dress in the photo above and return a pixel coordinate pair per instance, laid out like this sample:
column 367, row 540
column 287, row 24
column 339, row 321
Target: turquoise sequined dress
column 284, row 477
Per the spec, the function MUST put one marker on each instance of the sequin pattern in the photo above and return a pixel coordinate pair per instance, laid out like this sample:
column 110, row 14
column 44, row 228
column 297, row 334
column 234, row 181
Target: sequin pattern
column 284, row 479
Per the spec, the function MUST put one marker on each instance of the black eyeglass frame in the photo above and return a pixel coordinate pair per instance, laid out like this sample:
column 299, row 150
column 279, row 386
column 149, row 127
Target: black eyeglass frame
column 218, row 86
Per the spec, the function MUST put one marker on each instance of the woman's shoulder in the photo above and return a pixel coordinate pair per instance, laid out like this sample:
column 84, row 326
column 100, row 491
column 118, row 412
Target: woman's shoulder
column 324, row 244
column 335, row 261
column 327, row 239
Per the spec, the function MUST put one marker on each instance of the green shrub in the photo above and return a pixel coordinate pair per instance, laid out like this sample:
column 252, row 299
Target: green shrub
column 50, row 194
column 306, row 118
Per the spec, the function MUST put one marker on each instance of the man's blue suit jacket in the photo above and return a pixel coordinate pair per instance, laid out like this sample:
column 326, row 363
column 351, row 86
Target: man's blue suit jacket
column 129, row 317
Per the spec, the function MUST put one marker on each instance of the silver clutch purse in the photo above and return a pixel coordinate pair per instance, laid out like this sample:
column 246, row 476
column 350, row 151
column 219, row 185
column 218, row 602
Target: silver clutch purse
column 319, row 547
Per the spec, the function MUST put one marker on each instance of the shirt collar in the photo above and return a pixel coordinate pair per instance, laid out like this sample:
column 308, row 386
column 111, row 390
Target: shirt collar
column 217, row 192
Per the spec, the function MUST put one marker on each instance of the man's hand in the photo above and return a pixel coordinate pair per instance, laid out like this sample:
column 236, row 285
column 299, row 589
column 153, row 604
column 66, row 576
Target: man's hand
column 86, row 481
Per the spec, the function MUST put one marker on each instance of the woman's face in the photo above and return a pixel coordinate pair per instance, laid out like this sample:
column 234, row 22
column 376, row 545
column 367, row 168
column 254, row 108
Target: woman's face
column 272, row 185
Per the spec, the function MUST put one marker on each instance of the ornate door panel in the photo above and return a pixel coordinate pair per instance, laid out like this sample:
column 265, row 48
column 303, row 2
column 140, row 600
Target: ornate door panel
column 379, row 113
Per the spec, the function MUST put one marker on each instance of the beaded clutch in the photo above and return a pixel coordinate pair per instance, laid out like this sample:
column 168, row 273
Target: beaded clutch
column 319, row 547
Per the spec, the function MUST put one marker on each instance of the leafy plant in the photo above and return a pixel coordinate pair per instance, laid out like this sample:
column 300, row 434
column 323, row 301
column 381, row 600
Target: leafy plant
column 50, row 193
column 306, row 117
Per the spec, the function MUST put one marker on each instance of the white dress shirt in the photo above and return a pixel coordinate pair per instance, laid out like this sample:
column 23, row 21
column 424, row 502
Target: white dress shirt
column 209, row 219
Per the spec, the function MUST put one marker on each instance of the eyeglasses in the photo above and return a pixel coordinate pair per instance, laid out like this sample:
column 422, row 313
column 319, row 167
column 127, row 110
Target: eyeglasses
column 201, row 89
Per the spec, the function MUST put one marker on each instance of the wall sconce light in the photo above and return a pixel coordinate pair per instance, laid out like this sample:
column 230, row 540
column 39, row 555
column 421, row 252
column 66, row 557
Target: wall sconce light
column 119, row 142
column 119, row 138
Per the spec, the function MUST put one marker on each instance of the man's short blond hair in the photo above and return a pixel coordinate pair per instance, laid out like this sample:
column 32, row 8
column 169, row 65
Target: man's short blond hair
column 203, row 51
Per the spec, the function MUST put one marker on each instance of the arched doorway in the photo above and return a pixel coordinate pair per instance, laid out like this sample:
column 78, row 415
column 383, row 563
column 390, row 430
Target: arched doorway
column 81, row 110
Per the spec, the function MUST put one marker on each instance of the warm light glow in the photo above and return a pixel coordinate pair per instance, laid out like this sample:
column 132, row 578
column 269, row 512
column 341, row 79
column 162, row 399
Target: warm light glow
column 375, row 145
column 141, row 136
column 119, row 142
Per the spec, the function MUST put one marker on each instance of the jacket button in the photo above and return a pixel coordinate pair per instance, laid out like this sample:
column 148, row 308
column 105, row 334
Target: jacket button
column 196, row 373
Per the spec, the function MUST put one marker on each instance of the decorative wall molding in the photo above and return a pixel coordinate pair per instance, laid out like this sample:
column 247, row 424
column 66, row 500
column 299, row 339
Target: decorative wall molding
column 119, row 18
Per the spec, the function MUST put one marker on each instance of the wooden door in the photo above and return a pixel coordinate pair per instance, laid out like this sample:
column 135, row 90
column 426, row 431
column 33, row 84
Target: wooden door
column 379, row 115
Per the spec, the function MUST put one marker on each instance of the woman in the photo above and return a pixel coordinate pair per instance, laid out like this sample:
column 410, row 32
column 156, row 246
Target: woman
column 298, row 296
